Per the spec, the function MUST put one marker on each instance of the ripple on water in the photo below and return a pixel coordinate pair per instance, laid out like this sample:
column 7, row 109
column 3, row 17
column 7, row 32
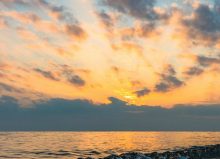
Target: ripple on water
column 96, row 144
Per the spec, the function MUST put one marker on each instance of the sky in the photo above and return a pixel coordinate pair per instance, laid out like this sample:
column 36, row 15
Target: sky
column 145, row 53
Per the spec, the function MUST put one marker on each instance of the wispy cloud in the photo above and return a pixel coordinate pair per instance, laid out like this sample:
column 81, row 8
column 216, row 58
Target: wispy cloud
column 142, row 52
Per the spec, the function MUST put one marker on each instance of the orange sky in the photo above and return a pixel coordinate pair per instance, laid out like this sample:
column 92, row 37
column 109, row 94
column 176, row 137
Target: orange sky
column 146, row 53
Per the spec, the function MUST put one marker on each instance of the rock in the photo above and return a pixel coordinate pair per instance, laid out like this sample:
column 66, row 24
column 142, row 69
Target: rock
column 134, row 155
column 113, row 157
column 195, row 152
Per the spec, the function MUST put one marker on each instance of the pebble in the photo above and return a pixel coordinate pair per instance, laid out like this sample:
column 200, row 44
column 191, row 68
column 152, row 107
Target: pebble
column 195, row 152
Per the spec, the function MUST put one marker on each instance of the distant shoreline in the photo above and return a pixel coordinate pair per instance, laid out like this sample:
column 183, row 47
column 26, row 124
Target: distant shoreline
column 194, row 152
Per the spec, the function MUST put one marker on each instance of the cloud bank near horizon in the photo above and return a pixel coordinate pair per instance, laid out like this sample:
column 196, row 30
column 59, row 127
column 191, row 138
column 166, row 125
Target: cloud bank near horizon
column 82, row 115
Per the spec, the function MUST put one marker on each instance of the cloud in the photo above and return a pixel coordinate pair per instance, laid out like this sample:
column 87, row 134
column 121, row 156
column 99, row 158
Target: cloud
column 138, row 40
column 3, row 22
column 143, row 9
column 142, row 92
column 61, row 13
column 9, row 88
column 145, row 29
column 192, row 71
column 207, row 61
column 76, row 80
column 162, row 87
column 70, row 75
column 63, row 72
column 202, row 63
column 112, row 24
column 72, row 25
column 9, row 3
column 26, row 3
column 23, row 97
column 67, row 23
column 27, row 18
column 204, row 24
column 75, row 31
column 61, row 114
column 168, row 80
column 106, row 19
column 172, row 80
column 47, row 74
column 139, row 30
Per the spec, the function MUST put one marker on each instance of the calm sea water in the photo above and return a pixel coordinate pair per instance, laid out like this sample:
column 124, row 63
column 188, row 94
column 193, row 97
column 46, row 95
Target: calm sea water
column 66, row 145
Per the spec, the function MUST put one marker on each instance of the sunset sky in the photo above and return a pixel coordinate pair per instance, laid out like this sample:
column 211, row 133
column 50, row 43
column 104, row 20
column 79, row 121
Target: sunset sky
column 143, row 52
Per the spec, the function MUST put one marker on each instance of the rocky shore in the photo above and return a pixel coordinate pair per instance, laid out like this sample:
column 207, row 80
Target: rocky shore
column 195, row 152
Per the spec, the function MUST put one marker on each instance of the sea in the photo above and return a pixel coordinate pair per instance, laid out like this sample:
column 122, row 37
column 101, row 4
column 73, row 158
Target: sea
column 71, row 145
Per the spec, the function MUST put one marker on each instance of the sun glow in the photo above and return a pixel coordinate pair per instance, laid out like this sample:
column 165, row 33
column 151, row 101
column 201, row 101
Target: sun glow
column 56, row 52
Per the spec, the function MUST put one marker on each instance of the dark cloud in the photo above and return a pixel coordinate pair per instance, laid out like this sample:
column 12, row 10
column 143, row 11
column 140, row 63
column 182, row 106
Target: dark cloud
column 170, row 70
column 194, row 71
column 162, row 87
column 72, row 26
column 6, row 87
column 62, row 15
column 207, row 61
column 106, row 19
column 9, row 88
column 168, row 80
column 168, row 83
column 146, row 29
column 62, row 12
column 142, row 92
column 204, row 19
column 202, row 62
column 76, row 80
column 217, row 6
column 172, row 80
column 61, row 114
column 142, row 31
column 74, row 30
column 46, row 74
column 205, row 24
column 143, row 9
column 33, row 17
column 26, row 3
column 9, row 3
column 69, row 74
column 64, row 72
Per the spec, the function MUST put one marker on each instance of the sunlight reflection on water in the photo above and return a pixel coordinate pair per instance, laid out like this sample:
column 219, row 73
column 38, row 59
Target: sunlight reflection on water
column 96, row 144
